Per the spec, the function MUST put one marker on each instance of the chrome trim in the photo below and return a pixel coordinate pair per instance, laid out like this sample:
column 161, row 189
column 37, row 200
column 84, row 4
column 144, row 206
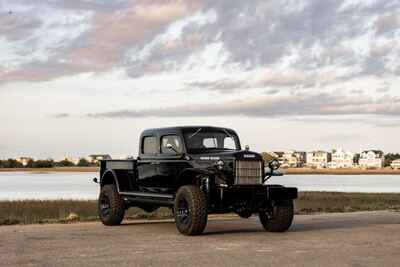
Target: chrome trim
column 248, row 172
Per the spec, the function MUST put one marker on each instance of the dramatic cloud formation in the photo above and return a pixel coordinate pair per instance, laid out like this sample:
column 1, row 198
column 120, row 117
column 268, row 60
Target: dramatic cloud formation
column 294, row 105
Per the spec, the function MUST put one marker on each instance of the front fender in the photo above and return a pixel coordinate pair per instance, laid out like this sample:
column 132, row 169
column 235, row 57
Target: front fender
column 189, row 175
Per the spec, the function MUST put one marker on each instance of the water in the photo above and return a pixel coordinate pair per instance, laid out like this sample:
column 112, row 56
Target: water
column 59, row 185
column 47, row 185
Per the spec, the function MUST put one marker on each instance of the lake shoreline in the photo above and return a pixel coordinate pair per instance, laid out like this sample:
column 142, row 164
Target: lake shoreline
column 291, row 171
column 69, row 211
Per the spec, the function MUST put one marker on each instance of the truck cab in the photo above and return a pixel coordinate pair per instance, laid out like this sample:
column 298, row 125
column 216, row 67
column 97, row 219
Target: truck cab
column 194, row 170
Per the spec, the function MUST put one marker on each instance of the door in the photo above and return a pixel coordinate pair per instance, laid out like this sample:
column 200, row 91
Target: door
column 147, row 167
column 171, row 161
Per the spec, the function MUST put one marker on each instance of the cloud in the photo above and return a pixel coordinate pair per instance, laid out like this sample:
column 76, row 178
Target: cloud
column 113, row 30
column 387, row 22
column 272, row 92
column 340, row 138
column 61, row 115
column 294, row 105
column 16, row 26
column 295, row 39
column 223, row 85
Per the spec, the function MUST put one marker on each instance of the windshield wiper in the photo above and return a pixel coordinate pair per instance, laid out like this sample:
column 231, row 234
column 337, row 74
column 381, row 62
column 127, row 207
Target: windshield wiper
column 195, row 133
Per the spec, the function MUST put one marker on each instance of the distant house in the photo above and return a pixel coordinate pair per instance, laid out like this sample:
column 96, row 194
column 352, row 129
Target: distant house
column 318, row 159
column 371, row 159
column 341, row 159
column 395, row 164
column 95, row 158
column 279, row 156
column 292, row 159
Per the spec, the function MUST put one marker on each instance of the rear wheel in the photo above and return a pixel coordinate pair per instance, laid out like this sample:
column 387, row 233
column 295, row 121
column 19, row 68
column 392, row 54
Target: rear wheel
column 190, row 210
column 279, row 219
column 111, row 207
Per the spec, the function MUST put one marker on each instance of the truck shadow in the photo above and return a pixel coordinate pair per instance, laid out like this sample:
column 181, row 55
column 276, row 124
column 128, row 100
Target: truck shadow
column 148, row 222
column 313, row 225
column 241, row 226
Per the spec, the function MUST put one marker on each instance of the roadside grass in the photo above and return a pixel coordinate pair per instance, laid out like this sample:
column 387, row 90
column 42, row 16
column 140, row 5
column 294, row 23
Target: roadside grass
column 69, row 211
column 314, row 202
column 62, row 211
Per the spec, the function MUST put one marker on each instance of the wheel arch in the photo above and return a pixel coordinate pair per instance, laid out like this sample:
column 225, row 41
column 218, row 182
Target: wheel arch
column 109, row 177
column 189, row 176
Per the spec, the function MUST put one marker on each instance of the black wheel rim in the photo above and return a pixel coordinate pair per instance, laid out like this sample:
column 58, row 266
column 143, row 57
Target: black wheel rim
column 183, row 212
column 105, row 206
column 269, row 213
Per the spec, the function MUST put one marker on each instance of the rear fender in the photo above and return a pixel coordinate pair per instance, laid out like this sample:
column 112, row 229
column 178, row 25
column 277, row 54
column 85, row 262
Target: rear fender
column 109, row 177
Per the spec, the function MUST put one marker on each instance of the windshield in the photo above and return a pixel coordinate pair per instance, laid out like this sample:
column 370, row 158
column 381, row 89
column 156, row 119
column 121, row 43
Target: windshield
column 199, row 140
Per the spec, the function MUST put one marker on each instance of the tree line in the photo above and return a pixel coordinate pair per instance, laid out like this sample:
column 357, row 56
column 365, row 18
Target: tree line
column 47, row 163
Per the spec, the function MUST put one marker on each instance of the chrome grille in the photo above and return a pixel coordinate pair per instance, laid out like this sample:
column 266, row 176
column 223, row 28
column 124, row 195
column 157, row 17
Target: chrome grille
column 248, row 172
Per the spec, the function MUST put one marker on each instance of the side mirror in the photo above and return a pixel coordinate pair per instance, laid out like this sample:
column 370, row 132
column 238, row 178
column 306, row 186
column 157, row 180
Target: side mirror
column 274, row 165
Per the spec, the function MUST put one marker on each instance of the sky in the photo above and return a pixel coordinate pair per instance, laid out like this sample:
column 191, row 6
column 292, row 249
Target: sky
column 84, row 77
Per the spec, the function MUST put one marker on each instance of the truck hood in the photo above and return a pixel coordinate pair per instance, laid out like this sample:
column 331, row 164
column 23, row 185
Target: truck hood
column 228, row 155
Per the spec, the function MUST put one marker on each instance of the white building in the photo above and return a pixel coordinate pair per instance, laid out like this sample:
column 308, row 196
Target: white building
column 371, row 159
column 395, row 164
column 341, row 159
column 317, row 159
column 293, row 159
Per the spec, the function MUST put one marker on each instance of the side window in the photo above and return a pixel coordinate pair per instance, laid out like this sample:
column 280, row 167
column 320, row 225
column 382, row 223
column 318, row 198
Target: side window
column 176, row 143
column 229, row 143
column 210, row 142
column 149, row 145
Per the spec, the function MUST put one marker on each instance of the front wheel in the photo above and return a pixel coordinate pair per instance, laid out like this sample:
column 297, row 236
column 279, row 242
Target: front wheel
column 279, row 219
column 190, row 210
column 111, row 207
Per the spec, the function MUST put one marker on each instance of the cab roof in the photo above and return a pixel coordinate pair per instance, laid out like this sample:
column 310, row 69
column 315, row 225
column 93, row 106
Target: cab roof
column 179, row 129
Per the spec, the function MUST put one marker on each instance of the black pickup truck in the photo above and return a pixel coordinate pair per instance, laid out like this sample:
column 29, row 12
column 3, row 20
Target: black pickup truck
column 195, row 171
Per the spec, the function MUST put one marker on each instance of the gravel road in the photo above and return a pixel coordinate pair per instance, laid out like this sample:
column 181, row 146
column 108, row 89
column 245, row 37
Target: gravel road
column 338, row 239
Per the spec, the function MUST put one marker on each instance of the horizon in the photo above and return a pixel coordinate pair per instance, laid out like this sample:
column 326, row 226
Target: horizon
column 122, row 156
column 83, row 77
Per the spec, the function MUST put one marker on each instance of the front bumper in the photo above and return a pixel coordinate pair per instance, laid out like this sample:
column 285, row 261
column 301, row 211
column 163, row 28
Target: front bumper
column 253, row 197
column 267, row 192
column 281, row 193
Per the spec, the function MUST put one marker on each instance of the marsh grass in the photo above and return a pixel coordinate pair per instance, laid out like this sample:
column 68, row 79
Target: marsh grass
column 68, row 211
column 60, row 211
column 312, row 202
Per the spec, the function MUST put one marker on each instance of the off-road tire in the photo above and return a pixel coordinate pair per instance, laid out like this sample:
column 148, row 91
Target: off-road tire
column 116, row 209
column 196, row 217
column 279, row 219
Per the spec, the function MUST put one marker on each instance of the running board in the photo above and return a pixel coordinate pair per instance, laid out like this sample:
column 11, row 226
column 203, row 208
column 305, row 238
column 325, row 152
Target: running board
column 152, row 198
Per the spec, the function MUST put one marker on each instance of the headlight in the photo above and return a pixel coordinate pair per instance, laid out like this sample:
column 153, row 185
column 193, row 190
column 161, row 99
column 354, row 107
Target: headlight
column 274, row 164
column 220, row 164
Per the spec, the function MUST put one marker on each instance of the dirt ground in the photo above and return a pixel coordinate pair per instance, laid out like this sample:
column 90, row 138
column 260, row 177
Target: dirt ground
column 338, row 239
